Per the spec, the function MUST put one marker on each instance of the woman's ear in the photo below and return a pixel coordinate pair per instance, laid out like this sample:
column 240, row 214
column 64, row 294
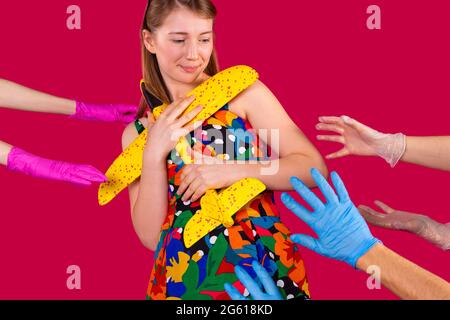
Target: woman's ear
column 149, row 41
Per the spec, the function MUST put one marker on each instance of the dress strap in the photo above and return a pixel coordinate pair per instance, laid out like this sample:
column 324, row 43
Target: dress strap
column 139, row 126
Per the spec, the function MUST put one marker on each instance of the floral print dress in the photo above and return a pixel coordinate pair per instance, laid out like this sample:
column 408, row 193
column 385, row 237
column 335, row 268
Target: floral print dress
column 200, row 272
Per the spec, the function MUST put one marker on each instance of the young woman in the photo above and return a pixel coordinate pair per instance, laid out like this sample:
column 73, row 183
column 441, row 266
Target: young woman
column 178, row 55
column 15, row 96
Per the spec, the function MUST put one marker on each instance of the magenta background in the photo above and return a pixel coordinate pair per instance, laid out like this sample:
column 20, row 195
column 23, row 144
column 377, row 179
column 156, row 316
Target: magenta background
column 318, row 57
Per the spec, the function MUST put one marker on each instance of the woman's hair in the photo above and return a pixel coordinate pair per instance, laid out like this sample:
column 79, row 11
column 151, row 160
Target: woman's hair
column 157, row 11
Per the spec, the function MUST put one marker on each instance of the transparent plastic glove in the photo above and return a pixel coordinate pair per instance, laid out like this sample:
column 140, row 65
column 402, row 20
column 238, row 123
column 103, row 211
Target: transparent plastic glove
column 105, row 112
column 423, row 226
column 256, row 292
column 342, row 232
column 359, row 139
column 29, row 164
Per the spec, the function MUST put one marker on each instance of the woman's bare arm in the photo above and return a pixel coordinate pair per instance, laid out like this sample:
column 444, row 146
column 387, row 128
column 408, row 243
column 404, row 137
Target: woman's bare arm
column 404, row 278
column 16, row 96
column 148, row 195
column 297, row 155
column 5, row 149
column 432, row 152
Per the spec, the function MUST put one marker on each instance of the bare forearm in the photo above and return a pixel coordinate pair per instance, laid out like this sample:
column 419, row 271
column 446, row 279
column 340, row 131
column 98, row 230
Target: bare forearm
column 432, row 152
column 150, row 208
column 435, row 232
column 5, row 149
column 404, row 278
column 276, row 173
column 15, row 96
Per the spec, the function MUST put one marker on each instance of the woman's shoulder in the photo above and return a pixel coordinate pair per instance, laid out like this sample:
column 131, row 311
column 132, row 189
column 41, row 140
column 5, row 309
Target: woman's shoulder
column 131, row 132
column 249, row 98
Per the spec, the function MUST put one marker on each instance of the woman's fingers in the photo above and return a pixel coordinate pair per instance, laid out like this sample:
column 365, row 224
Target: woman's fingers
column 341, row 190
column 299, row 210
column 248, row 282
column 266, row 280
column 192, row 126
column 373, row 217
column 358, row 126
column 339, row 139
column 384, row 206
column 198, row 193
column 306, row 194
column 233, row 292
column 331, row 120
column 186, row 179
column 179, row 108
column 193, row 186
column 78, row 181
column 324, row 186
column 330, row 127
column 339, row 154
column 188, row 117
column 89, row 173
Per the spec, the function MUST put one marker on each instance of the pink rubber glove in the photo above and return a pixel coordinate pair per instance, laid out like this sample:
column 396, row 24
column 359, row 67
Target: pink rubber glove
column 421, row 225
column 29, row 164
column 105, row 112
column 359, row 139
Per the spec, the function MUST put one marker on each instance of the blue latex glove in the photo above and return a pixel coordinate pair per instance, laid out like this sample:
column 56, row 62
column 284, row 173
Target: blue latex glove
column 272, row 292
column 342, row 232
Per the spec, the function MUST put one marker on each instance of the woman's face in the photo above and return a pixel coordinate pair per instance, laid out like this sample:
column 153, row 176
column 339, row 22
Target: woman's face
column 183, row 45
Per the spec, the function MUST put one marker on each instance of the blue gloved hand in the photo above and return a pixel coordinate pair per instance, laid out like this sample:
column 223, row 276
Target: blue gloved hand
column 272, row 292
column 342, row 232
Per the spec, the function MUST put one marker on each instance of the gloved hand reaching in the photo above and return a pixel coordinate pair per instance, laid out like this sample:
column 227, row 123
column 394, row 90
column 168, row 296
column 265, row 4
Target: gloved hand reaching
column 256, row 292
column 29, row 164
column 342, row 232
column 359, row 139
column 423, row 226
column 105, row 112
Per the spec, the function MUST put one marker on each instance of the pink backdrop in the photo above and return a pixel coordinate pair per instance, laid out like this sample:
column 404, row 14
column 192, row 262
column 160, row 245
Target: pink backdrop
column 318, row 57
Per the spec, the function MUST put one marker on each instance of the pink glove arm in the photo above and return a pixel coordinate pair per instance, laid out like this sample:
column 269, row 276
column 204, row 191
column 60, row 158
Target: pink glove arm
column 29, row 164
column 105, row 112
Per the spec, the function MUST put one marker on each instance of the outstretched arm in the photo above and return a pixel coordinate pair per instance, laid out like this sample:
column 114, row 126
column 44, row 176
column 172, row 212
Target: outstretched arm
column 16, row 96
column 419, row 224
column 21, row 161
column 432, row 152
column 404, row 278
column 343, row 235
column 359, row 139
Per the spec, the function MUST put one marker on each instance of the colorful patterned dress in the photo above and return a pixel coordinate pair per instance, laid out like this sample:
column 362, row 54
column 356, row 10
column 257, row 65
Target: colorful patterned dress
column 200, row 272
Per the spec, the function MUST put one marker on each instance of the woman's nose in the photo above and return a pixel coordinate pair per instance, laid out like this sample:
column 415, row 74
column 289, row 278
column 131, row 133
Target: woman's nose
column 193, row 52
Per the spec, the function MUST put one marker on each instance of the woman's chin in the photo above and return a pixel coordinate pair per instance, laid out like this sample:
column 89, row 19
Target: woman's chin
column 189, row 77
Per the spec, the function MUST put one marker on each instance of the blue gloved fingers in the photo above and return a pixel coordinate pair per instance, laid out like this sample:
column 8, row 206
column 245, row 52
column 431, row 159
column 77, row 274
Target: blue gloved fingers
column 327, row 190
column 308, row 242
column 233, row 292
column 248, row 282
column 340, row 187
column 267, row 281
column 307, row 194
column 299, row 210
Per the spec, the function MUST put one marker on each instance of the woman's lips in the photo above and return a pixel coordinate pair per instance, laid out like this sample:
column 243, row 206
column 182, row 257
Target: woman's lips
column 189, row 69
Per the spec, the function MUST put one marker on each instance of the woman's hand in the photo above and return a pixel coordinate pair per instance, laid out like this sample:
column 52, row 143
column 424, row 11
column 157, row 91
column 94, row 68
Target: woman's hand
column 423, row 226
column 170, row 127
column 32, row 165
column 196, row 179
column 342, row 232
column 105, row 112
column 359, row 139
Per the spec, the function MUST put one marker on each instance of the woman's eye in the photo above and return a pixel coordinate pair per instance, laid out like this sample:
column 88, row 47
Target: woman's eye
column 177, row 41
column 205, row 40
